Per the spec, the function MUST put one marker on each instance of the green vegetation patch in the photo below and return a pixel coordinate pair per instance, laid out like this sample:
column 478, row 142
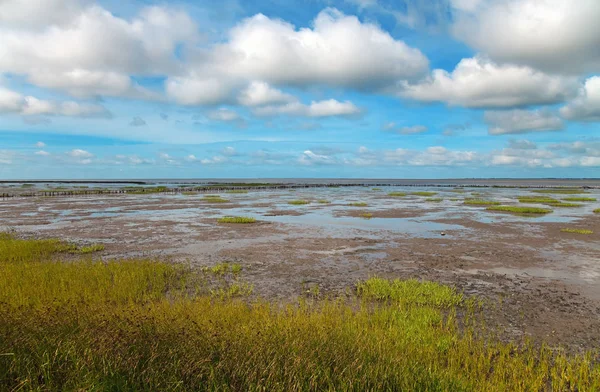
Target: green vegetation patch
column 298, row 202
column 481, row 202
column 597, row 211
column 424, row 193
column 537, row 199
column 366, row 215
column 323, row 201
column 565, row 205
column 434, row 200
column 215, row 199
column 397, row 194
column 147, row 325
column 376, row 189
column 576, row 231
column 236, row 191
column 520, row 210
column 358, row 204
column 237, row 219
column 560, row 191
column 579, row 199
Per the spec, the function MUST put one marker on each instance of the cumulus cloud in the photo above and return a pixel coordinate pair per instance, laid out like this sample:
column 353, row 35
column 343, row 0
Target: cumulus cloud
column 586, row 107
column 480, row 83
column 522, row 121
column 13, row 102
column 551, row 35
column 229, row 151
column 338, row 51
column 412, row 130
column 82, row 48
column 42, row 153
column 260, row 94
column 40, row 144
column 327, row 108
column 137, row 122
column 310, row 158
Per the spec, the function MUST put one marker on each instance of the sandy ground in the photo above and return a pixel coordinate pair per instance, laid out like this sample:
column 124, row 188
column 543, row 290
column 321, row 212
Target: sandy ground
column 538, row 281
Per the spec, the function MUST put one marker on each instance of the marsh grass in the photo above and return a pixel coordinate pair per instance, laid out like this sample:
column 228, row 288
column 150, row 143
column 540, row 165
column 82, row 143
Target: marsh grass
column 237, row 219
column 520, row 210
column 434, row 200
column 579, row 199
column 537, row 199
column 189, row 193
column 298, row 202
column 424, row 193
column 141, row 326
column 240, row 191
column 376, row 189
column 397, row 194
column 565, row 205
column 597, row 211
column 481, row 202
column 214, row 199
column 366, row 215
column 559, row 191
column 577, row 231
column 90, row 249
column 358, row 204
column 323, row 201
column 14, row 249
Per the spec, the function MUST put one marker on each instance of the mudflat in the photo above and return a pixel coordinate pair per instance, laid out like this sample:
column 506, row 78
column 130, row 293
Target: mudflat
column 538, row 280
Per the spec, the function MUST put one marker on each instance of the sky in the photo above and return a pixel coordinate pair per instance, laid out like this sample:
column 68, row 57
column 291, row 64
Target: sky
column 312, row 88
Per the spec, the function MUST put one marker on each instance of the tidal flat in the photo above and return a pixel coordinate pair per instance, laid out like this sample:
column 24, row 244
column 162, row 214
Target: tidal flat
column 533, row 283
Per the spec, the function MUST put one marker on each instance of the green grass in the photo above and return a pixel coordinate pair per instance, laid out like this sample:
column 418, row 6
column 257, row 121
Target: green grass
column 520, row 210
column 298, row 202
column 147, row 325
column 579, row 199
column 236, row 191
column 481, row 202
column 214, row 199
column 376, row 189
column 323, row 201
column 237, row 219
column 577, row 231
column 189, row 193
column 366, row 215
column 90, row 249
column 537, row 199
column 565, row 205
column 434, row 200
column 397, row 194
column 560, row 191
column 597, row 211
column 358, row 204
column 424, row 193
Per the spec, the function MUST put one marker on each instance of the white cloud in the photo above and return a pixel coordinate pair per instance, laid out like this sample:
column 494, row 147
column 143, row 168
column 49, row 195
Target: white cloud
column 586, row 107
column 310, row 158
column 86, row 50
column 480, row 83
column 521, row 144
column 338, row 51
column 42, row 153
column 521, row 121
column 260, row 93
column 40, row 144
column 551, row 35
column 327, row 108
column 229, row 151
column 78, row 153
column 412, row 130
column 589, row 148
column 224, row 114
column 13, row 102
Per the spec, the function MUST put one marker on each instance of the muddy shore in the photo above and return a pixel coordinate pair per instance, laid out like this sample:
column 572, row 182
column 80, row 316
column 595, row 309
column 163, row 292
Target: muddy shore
column 539, row 282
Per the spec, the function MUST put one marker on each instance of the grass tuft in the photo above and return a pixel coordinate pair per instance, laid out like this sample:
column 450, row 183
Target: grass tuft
column 215, row 199
column 576, row 231
column 481, row 202
column 520, row 210
column 424, row 193
column 298, row 202
column 237, row 191
column 560, row 191
column 397, row 194
column 597, row 211
column 579, row 199
column 366, row 215
column 358, row 204
column 237, row 219
column 323, row 201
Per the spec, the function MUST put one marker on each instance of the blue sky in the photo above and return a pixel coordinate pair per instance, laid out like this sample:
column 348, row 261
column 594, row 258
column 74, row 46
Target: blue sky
column 317, row 88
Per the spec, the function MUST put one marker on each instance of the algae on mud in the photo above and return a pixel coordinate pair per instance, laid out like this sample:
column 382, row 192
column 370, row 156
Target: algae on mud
column 148, row 325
